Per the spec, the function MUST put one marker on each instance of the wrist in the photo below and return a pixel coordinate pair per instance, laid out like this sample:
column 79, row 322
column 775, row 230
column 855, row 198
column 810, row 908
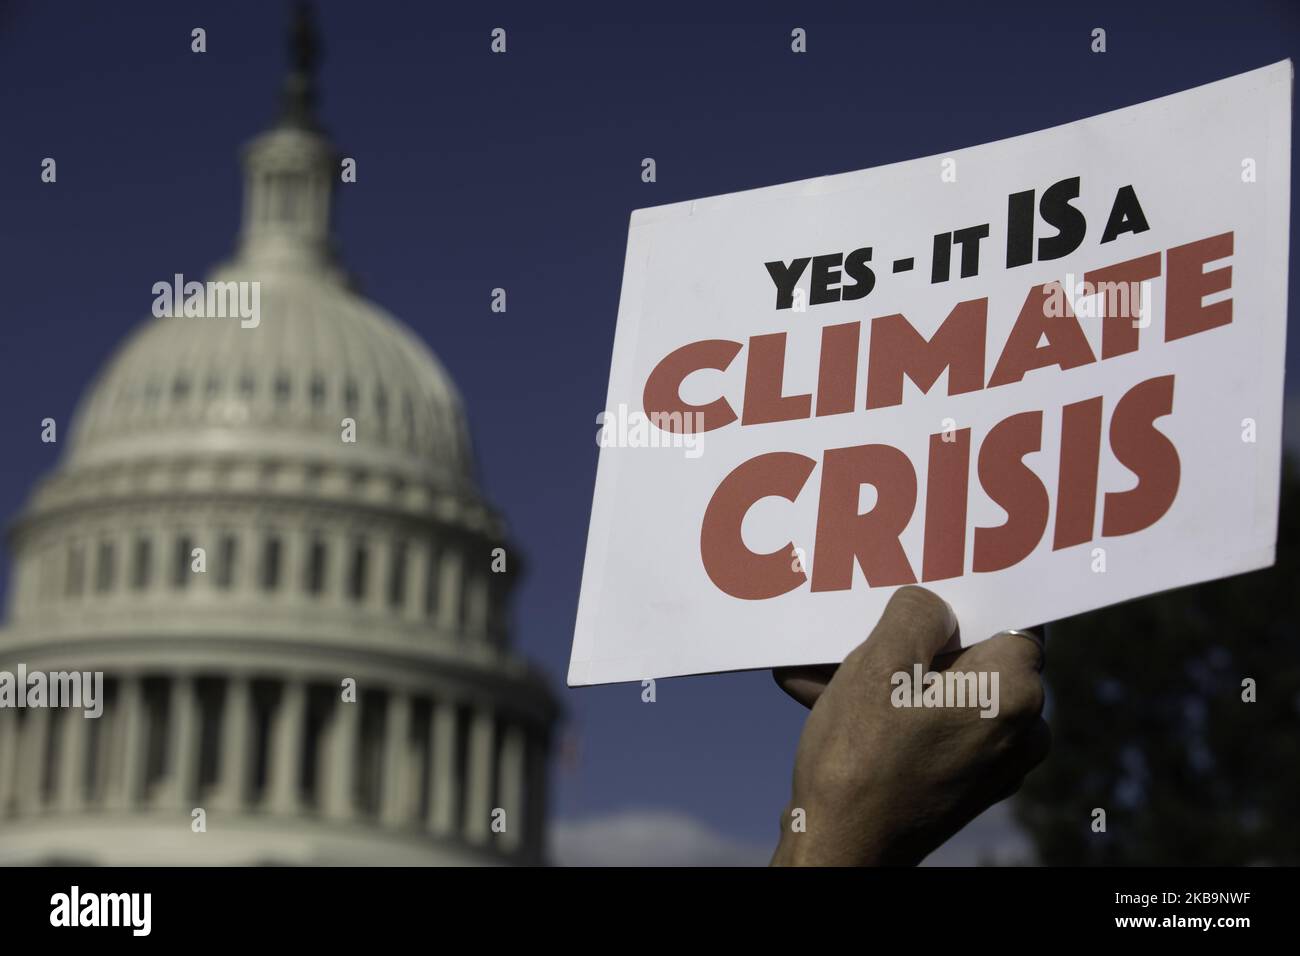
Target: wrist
column 822, row 838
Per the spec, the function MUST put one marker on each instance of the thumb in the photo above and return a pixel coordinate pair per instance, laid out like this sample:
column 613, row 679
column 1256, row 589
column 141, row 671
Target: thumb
column 804, row 684
column 915, row 626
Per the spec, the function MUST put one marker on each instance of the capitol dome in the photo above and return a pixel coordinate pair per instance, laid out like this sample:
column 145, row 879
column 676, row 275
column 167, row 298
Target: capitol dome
column 267, row 533
column 320, row 354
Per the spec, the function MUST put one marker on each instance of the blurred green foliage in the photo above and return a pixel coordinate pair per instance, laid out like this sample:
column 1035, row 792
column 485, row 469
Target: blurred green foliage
column 1148, row 722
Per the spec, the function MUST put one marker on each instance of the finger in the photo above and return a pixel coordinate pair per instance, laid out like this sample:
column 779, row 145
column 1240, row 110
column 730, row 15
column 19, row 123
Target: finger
column 804, row 684
column 946, row 659
column 1006, row 650
column 915, row 626
column 1030, row 647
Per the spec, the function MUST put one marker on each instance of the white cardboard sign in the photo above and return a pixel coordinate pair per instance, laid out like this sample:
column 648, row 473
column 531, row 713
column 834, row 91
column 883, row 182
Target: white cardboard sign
column 1037, row 377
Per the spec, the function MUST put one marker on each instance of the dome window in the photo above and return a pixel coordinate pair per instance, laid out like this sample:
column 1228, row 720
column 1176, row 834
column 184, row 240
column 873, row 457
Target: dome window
column 180, row 388
column 247, row 384
column 316, row 564
column 271, row 563
column 397, row 576
column 141, row 562
column 226, row 554
column 104, row 568
column 351, row 396
column 282, row 387
column 318, row 390
column 357, row 573
column 181, row 569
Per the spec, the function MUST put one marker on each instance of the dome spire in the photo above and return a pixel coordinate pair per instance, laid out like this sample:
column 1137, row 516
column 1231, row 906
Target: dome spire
column 298, row 108
column 291, row 169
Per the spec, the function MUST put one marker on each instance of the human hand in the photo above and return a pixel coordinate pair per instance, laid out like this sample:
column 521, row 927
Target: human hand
column 880, row 783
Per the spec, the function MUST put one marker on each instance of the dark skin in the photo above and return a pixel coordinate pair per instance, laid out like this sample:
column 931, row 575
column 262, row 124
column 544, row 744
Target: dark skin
column 886, row 785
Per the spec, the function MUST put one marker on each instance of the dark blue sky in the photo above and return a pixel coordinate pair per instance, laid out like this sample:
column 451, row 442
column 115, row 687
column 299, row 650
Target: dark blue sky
column 519, row 171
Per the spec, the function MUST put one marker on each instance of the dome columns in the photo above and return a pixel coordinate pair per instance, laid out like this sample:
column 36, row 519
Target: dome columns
column 10, row 742
column 342, row 741
column 444, row 783
column 183, row 729
column 127, row 782
column 396, row 759
column 31, row 759
column 74, row 730
column 287, row 734
column 478, row 790
column 236, row 744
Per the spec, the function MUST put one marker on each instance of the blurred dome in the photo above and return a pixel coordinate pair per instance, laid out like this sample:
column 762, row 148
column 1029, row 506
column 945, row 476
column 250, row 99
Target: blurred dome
column 319, row 354
column 282, row 382
column 267, row 539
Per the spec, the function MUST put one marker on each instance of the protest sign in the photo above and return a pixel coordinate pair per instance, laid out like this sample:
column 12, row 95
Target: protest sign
column 1037, row 376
